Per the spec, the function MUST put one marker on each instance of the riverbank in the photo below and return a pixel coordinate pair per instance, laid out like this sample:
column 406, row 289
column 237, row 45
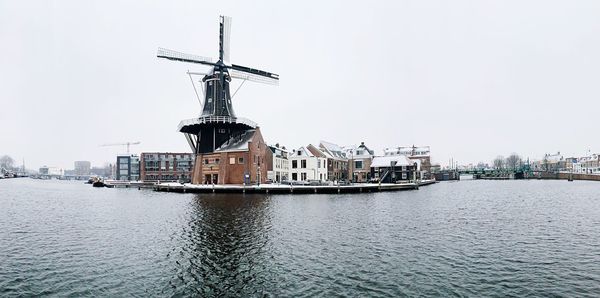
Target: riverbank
column 566, row 176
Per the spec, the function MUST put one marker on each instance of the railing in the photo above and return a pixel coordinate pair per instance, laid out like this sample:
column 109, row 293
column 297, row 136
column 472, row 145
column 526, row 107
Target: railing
column 216, row 119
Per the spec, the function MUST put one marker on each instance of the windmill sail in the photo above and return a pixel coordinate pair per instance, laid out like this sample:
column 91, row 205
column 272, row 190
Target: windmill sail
column 178, row 56
column 242, row 75
column 225, row 38
column 254, row 75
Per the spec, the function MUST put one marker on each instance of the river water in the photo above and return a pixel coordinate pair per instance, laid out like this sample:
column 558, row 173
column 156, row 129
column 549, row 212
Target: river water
column 468, row 238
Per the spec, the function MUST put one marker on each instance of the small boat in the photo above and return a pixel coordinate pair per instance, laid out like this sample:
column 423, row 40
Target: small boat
column 98, row 183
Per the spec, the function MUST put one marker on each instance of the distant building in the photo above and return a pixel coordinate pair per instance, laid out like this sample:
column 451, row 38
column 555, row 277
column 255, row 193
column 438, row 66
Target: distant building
column 82, row 168
column 279, row 169
column 420, row 153
column 394, row 168
column 166, row 166
column 588, row 164
column 304, row 165
column 105, row 171
column 243, row 158
column 128, row 168
column 359, row 162
column 51, row 171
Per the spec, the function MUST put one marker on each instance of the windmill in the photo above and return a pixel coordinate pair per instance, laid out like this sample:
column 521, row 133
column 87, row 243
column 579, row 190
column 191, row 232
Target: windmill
column 217, row 101
column 217, row 122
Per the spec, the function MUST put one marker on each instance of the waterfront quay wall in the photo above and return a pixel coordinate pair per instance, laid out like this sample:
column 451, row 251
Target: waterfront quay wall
column 565, row 176
column 287, row 189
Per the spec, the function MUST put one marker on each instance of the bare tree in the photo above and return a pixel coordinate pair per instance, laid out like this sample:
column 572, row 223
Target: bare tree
column 513, row 161
column 7, row 162
column 499, row 162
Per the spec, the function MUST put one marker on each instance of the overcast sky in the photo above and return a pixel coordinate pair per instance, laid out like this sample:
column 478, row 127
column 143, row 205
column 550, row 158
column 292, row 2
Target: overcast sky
column 472, row 79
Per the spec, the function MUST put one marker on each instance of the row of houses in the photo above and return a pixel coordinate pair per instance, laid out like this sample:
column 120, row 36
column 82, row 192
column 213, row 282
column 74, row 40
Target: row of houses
column 589, row 164
column 243, row 161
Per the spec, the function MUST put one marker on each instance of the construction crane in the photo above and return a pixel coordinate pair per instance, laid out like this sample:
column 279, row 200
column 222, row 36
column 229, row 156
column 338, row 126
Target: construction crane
column 121, row 144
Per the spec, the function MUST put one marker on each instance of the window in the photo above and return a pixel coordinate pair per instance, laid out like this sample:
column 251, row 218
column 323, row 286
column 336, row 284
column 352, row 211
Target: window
column 217, row 161
column 222, row 130
column 295, row 176
column 240, row 160
column 294, row 165
column 303, row 163
column 318, row 163
column 232, row 160
column 303, row 176
column 358, row 164
column 206, row 161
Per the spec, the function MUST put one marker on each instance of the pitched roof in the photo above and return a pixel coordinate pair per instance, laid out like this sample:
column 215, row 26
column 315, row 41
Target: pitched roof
column 333, row 149
column 237, row 142
column 386, row 161
column 302, row 151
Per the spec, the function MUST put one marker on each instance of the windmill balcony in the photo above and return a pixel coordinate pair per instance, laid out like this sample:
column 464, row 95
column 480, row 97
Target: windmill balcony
column 216, row 119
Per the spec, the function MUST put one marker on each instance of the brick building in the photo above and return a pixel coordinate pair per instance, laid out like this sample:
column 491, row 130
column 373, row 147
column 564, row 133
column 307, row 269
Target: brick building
column 244, row 158
column 166, row 166
column 359, row 162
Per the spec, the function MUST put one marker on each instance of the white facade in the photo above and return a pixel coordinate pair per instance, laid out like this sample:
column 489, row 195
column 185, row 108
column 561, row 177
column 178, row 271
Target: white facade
column 281, row 165
column 587, row 165
column 306, row 166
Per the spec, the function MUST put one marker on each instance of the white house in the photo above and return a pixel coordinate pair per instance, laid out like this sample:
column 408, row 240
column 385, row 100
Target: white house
column 280, row 170
column 304, row 166
column 587, row 164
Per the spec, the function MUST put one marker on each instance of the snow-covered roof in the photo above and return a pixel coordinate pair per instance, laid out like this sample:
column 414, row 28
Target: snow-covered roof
column 302, row 151
column 238, row 142
column 386, row 161
column 334, row 150
column 361, row 151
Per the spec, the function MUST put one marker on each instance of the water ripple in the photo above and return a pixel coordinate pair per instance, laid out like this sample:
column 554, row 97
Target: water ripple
column 467, row 239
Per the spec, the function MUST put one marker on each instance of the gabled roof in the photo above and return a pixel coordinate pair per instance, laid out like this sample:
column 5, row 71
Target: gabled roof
column 352, row 151
column 302, row 151
column 237, row 142
column 316, row 151
column 333, row 149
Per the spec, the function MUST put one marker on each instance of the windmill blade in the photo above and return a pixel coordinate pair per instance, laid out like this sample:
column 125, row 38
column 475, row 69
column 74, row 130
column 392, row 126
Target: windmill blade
column 236, row 74
column 226, row 37
column 254, row 75
column 199, row 73
column 183, row 57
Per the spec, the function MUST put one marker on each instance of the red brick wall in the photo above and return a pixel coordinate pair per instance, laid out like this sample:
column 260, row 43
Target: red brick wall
column 257, row 160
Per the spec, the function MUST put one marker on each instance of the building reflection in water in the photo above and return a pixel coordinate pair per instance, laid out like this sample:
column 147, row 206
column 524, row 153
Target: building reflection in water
column 223, row 248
